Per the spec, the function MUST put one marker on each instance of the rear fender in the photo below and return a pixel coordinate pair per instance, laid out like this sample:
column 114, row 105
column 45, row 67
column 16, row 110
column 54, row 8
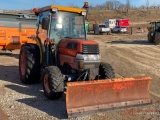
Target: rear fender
column 41, row 48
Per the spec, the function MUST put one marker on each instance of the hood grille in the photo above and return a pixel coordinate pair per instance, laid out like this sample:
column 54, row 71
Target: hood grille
column 90, row 48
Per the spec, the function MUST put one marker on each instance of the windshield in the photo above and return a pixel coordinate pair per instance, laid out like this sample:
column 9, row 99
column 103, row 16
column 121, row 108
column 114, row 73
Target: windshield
column 67, row 25
column 157, row 26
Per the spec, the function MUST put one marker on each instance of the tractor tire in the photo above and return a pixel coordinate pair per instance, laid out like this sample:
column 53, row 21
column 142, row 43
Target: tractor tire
column 150, row 38
column 29, row 63
column 53, row 82
column 157, row 39
column 106, row 71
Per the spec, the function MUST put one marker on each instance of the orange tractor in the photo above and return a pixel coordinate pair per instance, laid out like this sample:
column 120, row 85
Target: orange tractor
column 65, row 58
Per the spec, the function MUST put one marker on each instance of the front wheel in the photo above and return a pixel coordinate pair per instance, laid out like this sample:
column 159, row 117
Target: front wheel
column 106, row 71
column 53, row 82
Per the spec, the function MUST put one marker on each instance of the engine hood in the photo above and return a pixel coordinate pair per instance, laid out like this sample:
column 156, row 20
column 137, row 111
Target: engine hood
column 76, row 44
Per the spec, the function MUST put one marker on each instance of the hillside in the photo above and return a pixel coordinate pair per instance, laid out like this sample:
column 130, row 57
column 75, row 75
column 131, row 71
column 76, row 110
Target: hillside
column 136, row 16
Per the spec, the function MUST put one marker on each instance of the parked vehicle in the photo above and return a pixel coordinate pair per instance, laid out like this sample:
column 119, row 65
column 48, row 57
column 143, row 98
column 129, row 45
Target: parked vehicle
column 110, row 23
column 119, row 29
column 15, row 30
column 122, row 22
column 100, row 29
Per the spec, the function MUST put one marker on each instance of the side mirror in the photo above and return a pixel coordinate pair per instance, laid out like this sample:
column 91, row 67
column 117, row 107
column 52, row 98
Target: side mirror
column 45, row 23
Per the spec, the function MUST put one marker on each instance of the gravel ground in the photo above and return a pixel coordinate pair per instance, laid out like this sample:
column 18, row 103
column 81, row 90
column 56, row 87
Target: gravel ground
column 130, row 55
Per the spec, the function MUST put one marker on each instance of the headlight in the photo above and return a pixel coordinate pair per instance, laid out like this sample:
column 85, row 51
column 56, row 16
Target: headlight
column 91, row 57
column 87, row 57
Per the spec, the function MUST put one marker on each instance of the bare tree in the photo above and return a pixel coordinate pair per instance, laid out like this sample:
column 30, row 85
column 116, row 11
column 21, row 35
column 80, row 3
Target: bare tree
column 112, row 4
column 128, row 5
column 116, row 4
column 121, row 6
column 147, row 4
column 109, row 5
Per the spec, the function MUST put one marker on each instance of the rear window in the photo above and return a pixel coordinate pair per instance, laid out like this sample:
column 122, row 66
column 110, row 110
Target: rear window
column 101, row 25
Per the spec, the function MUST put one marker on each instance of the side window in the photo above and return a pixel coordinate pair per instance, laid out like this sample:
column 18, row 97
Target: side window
column 152, row 27
column 42, row 32
column 43, row 15
column 158, row 27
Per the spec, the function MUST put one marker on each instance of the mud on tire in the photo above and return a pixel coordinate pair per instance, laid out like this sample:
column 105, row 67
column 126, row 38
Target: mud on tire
column 106, row 71
column 29, row 63
column 53, row 82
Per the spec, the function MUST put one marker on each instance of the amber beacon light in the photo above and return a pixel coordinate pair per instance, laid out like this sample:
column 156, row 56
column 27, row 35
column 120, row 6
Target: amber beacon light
column 86, row 4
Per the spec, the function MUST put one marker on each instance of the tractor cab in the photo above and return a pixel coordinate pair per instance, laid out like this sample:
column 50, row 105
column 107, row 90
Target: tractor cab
column 57, row 23
column 154, row 31
column 155, row 26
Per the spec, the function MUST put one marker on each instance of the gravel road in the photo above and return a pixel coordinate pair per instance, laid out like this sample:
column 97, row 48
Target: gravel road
column 130, row 55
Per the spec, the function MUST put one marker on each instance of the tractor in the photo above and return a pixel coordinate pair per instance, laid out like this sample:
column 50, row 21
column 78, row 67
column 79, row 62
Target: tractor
column 65, row 61
column 62, row 52
column 154, row 32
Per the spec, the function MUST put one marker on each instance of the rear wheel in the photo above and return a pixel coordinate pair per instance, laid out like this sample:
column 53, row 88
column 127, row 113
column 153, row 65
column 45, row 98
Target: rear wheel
column 53, row 82
column 106, row 71
column 157, row 38
column 29, row 63
column 150, row 38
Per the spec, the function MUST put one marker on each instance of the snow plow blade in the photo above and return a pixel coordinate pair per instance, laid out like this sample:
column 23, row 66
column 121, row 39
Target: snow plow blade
column 98, row 95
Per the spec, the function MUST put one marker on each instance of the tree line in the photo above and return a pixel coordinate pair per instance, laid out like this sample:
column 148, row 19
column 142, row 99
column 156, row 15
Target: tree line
column 117, row 5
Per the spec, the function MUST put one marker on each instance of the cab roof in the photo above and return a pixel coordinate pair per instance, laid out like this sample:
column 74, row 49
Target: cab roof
column 61, row 8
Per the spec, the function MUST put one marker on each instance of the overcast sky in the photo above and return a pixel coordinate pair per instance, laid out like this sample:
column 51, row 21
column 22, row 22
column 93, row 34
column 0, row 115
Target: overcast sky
column 29, row 4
